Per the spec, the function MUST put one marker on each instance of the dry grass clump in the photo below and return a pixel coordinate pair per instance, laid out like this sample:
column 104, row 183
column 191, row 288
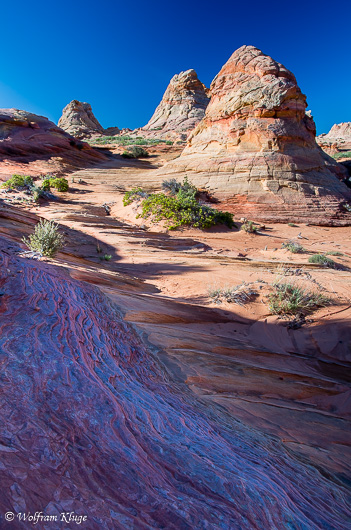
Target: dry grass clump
column 293, row 246
column 322, row 259
column 240, row 294
column 290, row 299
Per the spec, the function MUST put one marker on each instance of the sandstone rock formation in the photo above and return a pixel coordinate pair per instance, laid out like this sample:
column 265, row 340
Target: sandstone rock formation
column 78, row 120
column 256, row 146
column 182, row 107
column 337, row 139
column 36, row 142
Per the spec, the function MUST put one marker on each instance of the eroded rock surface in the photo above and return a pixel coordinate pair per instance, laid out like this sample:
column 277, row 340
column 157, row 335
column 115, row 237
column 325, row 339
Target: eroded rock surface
column 181, row 109
column 337, row 139
column 78, row 120
column 256, row 146
column 93, row 423
column 32, row 143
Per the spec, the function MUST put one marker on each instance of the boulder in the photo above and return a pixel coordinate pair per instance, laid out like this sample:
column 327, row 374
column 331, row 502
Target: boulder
column 78, row 120
column 338, row 138
column 181, row 109
column 256, row 150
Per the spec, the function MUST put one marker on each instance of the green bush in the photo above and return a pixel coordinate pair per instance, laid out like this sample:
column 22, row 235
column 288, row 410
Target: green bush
column 135, row 152
column 293, row 247
column 128, row 140
column 323, row 260
column 290, row 299
column 179, row 210
column 46, row 239
column 60, row 184
column 18, row 181
column 342, row 154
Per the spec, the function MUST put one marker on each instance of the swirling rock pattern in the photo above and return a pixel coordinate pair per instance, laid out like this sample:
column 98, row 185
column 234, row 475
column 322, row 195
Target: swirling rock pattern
column 93, row 423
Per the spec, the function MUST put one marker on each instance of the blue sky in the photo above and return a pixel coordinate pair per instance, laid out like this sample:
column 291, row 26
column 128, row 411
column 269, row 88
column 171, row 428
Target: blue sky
column 120, row 56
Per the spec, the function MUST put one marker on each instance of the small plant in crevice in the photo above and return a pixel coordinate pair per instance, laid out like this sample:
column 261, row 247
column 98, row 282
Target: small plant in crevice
column 46, row 239
column 293, row 246
column 322, row 259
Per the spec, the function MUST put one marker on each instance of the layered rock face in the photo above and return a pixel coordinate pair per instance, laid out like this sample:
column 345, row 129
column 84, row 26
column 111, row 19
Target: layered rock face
column 256, row 146
column 35, row 141
column 337, row 139
column 78, row 120
column 182, row 107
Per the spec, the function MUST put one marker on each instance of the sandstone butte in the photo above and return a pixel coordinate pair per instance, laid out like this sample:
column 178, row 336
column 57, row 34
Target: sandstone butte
column 78, row 120
column 256, row 149
column 32, row 143
column 182, row 107
column 337, row 139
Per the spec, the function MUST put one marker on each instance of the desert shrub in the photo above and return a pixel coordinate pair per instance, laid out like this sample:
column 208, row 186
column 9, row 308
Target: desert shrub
column 323, row 260
column 342, row 154
column 249, row 227
column 293, row 246
column 179, row 210
column 240, row 294
column 60, row 184
column 290, row 299
column 334, row 253
column 135, row 152
column 292, row 224
column 127, row 140
column 183, row 212
column 106, row 257
column 46, row 239
column 18, row 181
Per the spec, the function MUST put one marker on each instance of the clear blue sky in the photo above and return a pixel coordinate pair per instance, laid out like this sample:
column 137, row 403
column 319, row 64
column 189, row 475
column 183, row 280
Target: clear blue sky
column 120, row 56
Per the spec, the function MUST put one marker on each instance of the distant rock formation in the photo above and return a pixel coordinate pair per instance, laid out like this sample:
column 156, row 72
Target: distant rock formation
column 337, row 139
column 181, row 109
column 36, row 142
column 256, row 147
column 78, row 120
